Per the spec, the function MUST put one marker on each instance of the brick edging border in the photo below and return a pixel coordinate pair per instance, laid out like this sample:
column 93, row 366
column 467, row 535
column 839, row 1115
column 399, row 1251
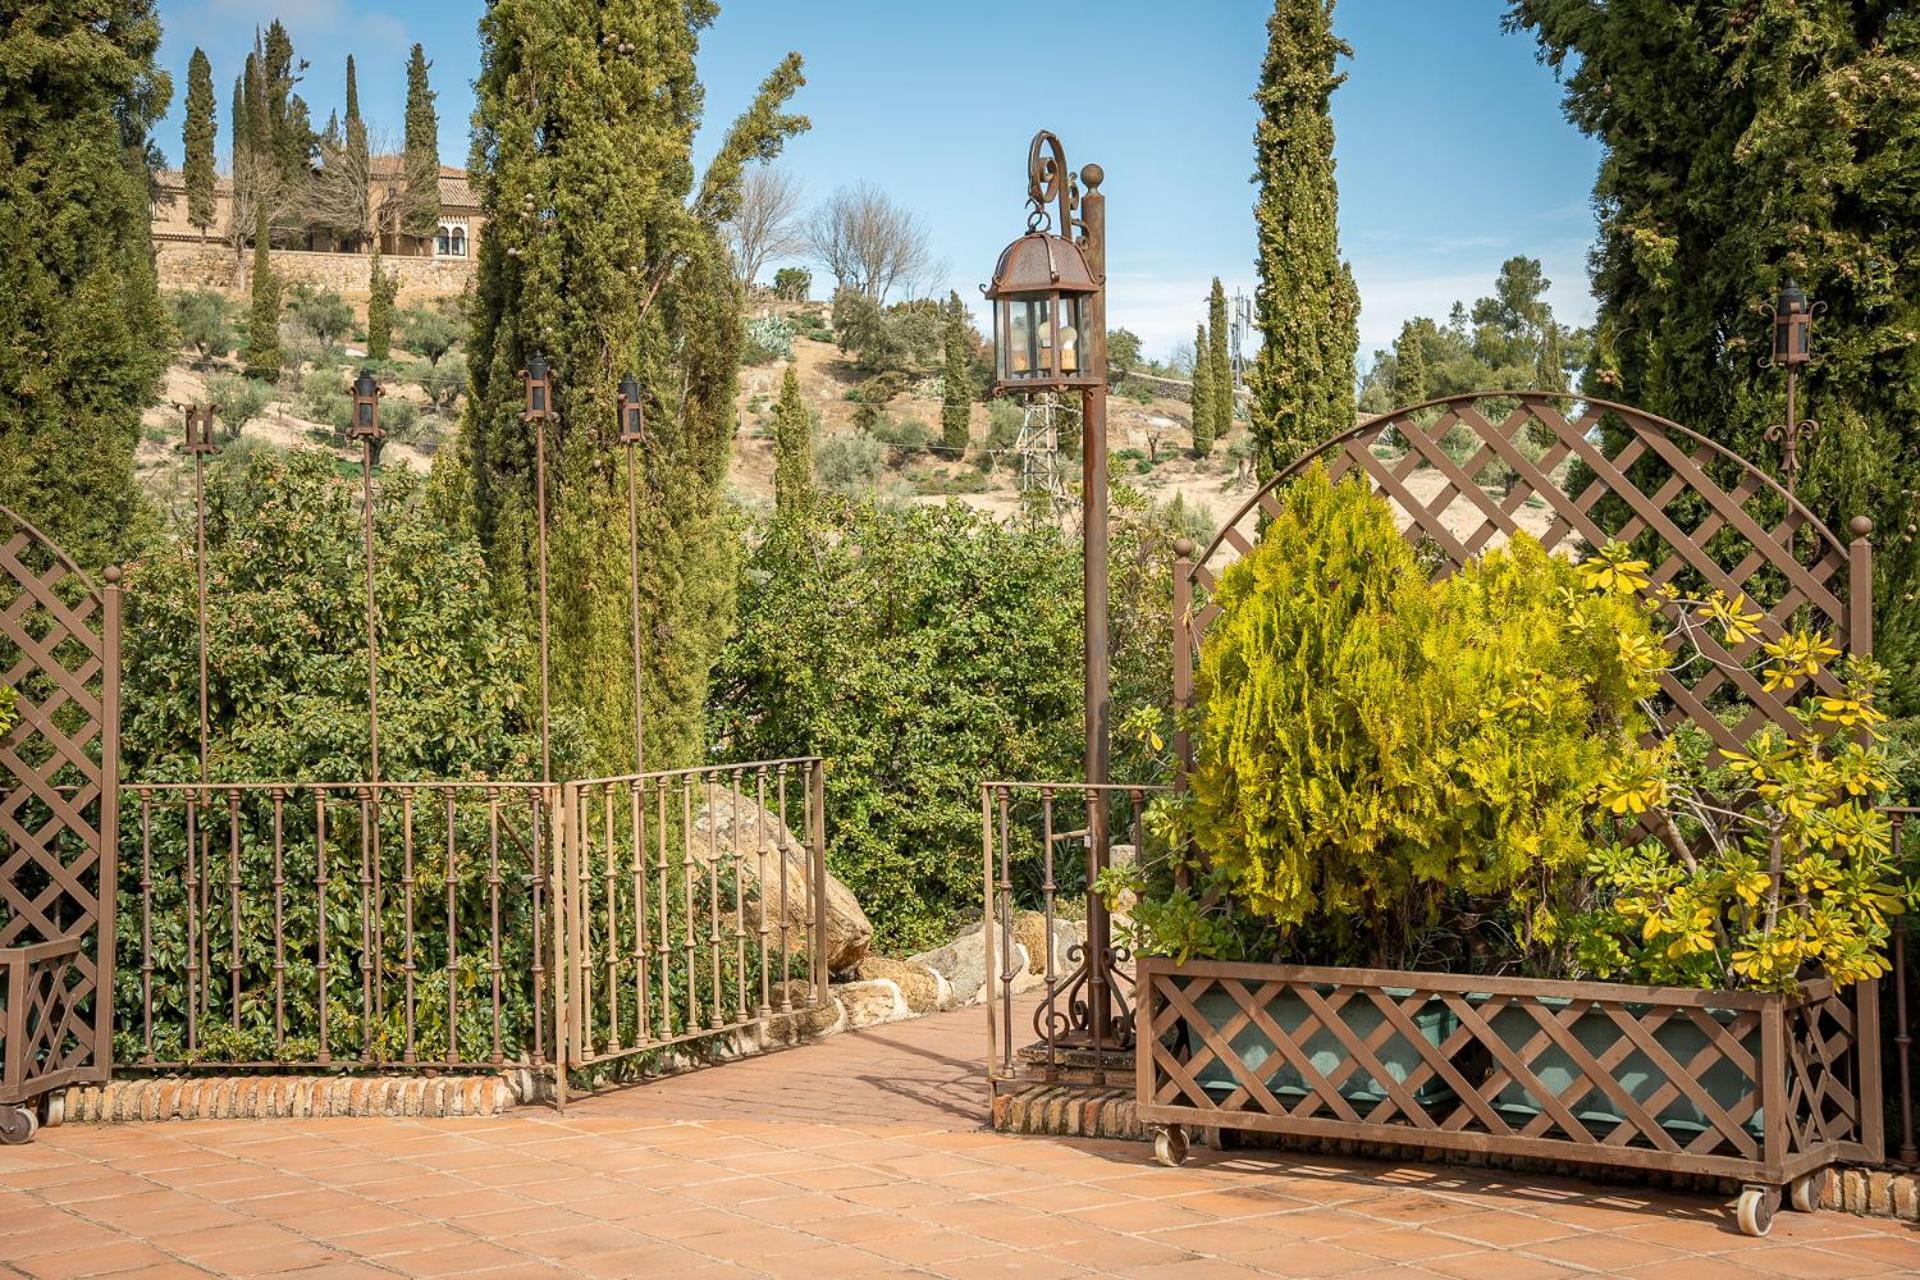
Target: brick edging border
column 1084, row 1111
column 277, row 1097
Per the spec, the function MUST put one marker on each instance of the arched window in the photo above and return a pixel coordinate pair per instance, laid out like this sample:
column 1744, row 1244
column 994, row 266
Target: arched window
column 443, row 245
column 459, row 242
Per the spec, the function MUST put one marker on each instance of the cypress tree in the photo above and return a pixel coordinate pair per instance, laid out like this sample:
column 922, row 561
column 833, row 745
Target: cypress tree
column 381, row 289
column 603, row 253
column 956, row 396
column 356, row 135
column 289, row 136
column 1409, row 365
column 1221, row 361
column 1205, row 415
column 82, row 334
column 240, row 167
column 1746, row 144
column 792, row 447
column 422, row 151
column 263, row 316
column 1302, row 379
column 197, row 136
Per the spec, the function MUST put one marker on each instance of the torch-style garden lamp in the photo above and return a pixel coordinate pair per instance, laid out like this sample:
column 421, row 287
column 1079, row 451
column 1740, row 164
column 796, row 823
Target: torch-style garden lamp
column 539, row 384
column 365, row 428
column 199, row 444
column 633, row 430
column 1792, row 347
column 1048, row 297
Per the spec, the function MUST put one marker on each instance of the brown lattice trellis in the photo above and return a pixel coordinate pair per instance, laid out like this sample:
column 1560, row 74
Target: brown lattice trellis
column 1746, row 1085
column 59, row 653
column 1465, row 473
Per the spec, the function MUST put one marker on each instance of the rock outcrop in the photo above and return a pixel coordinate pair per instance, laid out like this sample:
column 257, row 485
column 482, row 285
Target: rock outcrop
column 728, row 826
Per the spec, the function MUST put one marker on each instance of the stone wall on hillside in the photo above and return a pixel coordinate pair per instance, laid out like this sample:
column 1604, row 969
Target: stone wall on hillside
column 192, row 265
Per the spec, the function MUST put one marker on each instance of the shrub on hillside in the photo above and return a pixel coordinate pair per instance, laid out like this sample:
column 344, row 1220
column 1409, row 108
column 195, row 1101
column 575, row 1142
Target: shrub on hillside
column 236, row 401
column 850, row 465
column 769, row 337
column 792, row 284
column 202, row 319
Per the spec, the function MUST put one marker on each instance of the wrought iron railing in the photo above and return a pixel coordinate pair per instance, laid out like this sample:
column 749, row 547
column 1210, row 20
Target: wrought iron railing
column 1900, row 1137
column 1082, row 1020
column 465, row 925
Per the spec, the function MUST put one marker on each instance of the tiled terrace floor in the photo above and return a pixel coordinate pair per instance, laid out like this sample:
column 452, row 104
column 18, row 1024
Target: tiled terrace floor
column 859, row 1156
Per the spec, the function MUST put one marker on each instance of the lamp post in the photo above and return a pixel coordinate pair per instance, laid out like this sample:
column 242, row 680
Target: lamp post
column 365, row 429
column 1048, row 298
column 633, row 430
column 199, row 444
column 1792, row 347
column 539, row 385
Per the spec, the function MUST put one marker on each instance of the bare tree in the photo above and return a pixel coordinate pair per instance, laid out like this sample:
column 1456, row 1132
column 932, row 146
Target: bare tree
column 868, row 242
column 340, row 197
column 767, row 222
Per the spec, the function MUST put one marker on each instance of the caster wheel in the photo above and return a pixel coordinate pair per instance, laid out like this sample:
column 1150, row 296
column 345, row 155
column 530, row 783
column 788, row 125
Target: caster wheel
column 17, row 1125
column 1755, row 1208
column 1170, row 1146
column 1804, row 1191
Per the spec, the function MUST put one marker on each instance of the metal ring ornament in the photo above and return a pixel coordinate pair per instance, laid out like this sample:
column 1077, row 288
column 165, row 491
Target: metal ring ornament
column 1049, row 180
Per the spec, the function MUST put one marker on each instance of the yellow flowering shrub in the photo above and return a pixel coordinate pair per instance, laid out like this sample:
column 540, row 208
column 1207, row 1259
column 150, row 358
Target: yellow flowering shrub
column 1770, row 864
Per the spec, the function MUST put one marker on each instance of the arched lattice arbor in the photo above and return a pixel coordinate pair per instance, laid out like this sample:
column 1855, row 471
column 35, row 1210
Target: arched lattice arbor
column 1465, row 473
column 59, row 784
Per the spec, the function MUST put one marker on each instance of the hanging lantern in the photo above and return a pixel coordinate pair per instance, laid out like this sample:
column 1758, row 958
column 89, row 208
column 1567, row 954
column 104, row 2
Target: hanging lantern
column 1792, row 326
column 200, row 429
column 538, row 378
column 633, row 421
column 1039, row 293
column 366, row 409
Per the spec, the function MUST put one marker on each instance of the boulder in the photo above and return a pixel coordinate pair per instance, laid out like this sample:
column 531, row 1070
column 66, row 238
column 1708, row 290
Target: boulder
column 963, row 963
column 924, row 989
column 727, row 826
column 872, row 1002
column 803, row 1023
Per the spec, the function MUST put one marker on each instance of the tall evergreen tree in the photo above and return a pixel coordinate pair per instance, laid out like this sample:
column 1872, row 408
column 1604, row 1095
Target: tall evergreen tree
column 1308, row 310
column 602, row 253
column 289, row 138
column 1410, row 363
column 1205, row 413
column 1220, row 360
column 359, row 162
column 381, row 290
column 956, row 397
column 197, row 138
column 263, row 315
column 240, row 166
column 82, row 342
column 422, row 151
column 792, row 447
column 1746, row 144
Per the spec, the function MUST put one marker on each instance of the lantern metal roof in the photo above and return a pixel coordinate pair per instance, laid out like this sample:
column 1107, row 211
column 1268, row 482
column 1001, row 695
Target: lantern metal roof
column 1040, row 262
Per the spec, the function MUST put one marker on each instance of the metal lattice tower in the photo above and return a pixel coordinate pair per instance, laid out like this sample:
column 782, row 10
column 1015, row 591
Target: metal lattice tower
column 1037, row 450
column 1238, row 327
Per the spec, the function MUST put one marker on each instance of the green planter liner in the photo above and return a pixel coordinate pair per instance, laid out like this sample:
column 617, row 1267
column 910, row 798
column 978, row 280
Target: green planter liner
column 1323, row 1049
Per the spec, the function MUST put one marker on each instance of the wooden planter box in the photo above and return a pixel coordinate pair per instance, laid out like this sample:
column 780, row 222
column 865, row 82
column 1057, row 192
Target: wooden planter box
column 1766, row 1089
column 43, row 1030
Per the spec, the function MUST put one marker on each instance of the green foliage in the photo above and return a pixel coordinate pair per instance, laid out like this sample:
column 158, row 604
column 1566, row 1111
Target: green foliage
column 445, row 382
column 922, row 649
column 430, row 331
column 1219, row 360
column 237, row 401
column 197, row 137
column 321, row 313
column 1746, row 144
column 1205, row 416
column 9, row 709
column 83, row 338
column 903, row 337
column 1123, row 354
column 1003, row 429
column 604, row 252
column 1368, row 743
column 909, row 435
column 203, row 319
column 792, row 284
column 956, row 387
column 873, row 396
column 769, row 337
column 851, row 465
column 420, row 155
column 1302, row 378
column 381, row 291
column 793, row 428
column 263, row 313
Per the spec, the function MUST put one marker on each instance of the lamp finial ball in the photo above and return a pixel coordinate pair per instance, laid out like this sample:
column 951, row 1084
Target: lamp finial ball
column 1861, row 527
column 1183, row 547
column 1093, row 175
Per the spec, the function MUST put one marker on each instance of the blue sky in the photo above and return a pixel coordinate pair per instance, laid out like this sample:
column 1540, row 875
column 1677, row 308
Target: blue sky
column 1453, row 154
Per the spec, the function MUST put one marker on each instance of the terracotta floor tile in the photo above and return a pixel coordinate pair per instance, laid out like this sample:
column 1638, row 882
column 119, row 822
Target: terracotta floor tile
column 1807, row 1263
column 1602, row 1251
column 1503, row 1229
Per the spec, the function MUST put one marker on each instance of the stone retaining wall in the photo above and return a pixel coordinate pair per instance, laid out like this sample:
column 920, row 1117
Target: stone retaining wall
column 193, row 265
column 1085, row 1111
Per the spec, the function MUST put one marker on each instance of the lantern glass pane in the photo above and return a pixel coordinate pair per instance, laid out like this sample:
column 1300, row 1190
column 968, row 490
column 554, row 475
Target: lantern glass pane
column 1023, row 345
column 1800, row 330
column 1780, row 328
column 366, row 413
column 1070, row 336
column 1000, row 352
column 539, row 398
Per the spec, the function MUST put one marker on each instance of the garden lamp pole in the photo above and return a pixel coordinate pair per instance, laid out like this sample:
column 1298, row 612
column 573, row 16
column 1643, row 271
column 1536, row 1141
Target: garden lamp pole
column 633, row 429
column 1792, row 338
column 1048, row 300
column 366, row 430
column 199, row 420
column 538, row 379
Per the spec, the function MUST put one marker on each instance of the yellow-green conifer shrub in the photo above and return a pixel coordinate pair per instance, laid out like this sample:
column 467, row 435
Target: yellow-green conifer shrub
column 1369, row 742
